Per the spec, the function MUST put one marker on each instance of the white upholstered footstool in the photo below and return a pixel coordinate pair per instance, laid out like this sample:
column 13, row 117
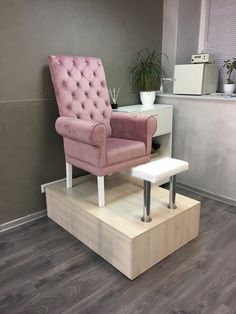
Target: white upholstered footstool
column 157, row 171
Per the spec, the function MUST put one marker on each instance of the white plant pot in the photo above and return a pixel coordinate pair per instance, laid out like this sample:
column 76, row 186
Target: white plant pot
column 147, row 98
column 229, row 89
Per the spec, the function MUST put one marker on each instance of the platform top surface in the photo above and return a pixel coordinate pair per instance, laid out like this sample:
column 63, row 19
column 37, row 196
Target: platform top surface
column 124, row 202
column 160, row 169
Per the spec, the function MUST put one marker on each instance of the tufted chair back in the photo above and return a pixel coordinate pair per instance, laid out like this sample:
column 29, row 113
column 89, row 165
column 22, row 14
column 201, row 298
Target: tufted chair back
column 80, row 88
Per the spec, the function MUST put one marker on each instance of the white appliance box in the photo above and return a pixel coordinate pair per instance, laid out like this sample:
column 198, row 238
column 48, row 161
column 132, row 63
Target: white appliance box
column 195, row 79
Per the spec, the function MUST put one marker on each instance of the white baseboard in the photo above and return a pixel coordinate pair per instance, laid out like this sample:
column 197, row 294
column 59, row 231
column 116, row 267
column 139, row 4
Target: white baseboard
column 219, row 198
column 43, row 186
column 23, row 220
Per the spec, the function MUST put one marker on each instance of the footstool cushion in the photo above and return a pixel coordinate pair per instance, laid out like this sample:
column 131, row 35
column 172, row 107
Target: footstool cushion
column 160, row 169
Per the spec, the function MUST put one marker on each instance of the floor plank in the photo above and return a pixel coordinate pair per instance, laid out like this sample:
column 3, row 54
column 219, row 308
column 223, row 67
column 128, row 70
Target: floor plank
column 43, row 269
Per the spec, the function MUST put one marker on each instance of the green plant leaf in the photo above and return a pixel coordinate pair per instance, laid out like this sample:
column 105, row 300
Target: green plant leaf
column 147, row 70
column 230, row 65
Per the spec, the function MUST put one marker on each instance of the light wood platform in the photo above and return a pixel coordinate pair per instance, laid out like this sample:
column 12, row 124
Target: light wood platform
column 116, row 232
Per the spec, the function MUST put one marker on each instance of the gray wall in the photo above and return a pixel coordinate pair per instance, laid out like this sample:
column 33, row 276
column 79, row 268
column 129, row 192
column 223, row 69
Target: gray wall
column 204, row 134
column 204, row 131
column 30, row 30
column 169, row 38
column 181, row 21
column 188, row 30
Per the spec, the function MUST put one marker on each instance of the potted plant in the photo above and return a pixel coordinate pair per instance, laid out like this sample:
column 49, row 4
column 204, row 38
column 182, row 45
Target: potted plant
column 146, row 74
column 230, row 65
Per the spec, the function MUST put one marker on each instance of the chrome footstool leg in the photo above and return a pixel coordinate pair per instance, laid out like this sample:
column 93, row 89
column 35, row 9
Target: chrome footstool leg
column 172, row 193
column 146, row 207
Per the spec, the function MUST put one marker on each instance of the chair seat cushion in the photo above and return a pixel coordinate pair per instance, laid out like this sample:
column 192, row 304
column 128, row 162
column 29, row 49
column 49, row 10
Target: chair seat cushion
column 118, row 150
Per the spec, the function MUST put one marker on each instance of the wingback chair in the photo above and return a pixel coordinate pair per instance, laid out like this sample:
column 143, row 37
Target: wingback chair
column 95, row 138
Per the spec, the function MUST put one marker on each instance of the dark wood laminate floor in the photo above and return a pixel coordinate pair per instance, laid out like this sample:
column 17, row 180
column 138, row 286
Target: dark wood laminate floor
column 43, row 269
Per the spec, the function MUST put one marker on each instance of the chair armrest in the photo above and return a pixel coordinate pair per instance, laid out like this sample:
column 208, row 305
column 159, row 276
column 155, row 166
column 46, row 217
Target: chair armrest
column 89, row 132
column 134, row 127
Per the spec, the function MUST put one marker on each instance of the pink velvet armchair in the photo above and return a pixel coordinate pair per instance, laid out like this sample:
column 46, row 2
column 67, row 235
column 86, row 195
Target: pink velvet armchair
column 95, row 138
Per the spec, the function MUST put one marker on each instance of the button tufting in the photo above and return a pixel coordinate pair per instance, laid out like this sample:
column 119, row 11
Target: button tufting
column 83, row 89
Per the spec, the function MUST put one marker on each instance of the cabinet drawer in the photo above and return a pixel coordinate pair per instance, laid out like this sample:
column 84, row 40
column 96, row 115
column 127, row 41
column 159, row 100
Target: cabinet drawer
column 164, row 121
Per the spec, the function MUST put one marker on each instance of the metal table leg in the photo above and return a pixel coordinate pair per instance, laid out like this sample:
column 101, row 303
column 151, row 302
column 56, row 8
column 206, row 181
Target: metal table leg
column 146, row 207
column 172, row 193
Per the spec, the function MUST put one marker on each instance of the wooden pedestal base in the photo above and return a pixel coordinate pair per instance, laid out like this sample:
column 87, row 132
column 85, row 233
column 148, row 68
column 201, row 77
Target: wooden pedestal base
column 116, row 231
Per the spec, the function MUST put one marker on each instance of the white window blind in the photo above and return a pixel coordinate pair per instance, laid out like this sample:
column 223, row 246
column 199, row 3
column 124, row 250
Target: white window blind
column 220, row 33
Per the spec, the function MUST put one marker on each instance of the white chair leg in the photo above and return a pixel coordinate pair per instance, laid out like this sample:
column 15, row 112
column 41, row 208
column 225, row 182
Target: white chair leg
column 68, row 175
column 101, row 193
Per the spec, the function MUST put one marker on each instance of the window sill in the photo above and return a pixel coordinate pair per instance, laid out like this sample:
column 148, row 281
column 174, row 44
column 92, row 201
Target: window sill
column 215, row 97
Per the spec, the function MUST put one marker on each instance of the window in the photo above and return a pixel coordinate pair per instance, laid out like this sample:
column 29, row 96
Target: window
column 218, row 29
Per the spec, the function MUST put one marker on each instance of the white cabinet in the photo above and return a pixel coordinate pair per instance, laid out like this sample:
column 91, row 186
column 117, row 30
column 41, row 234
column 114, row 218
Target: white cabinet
column 164, row 116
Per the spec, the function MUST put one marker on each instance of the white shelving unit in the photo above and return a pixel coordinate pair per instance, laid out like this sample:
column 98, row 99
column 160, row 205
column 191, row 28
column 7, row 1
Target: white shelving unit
column 164, row 116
